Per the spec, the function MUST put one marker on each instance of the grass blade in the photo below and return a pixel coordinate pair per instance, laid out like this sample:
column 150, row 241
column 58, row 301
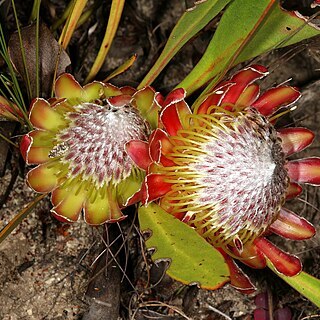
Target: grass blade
column 19, row 217
column 17, row 96
column 72, row 22
column 23, row 54
column 113, row 22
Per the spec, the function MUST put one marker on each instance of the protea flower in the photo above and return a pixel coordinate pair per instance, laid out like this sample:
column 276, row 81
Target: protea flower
column 78, row 145
column 223, row 169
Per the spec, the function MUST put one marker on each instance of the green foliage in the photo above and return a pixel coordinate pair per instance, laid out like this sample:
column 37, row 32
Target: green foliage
column 192, row 259
column 190, row 23
column 245, row 31
column 113, row 23
column 304, row 283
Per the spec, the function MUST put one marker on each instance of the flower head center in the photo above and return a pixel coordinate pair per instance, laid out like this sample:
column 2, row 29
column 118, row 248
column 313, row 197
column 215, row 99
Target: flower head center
column 92, row 145
column 232, row 180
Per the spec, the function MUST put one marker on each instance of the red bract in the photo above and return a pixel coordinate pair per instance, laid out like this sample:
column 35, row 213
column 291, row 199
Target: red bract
column 223, row 169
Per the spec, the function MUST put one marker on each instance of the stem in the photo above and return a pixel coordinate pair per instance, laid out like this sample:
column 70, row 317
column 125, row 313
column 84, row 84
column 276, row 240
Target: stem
column 38, row 2
column 103, row 292
column 35, row 11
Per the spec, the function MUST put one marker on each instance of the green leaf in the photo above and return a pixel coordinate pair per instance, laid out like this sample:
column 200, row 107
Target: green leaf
column 247, row 29
column 122, row 68
column 280, row 29
column 192, row 259
column 71, row 24
column 112, row 27
column 304, row 283
column 190, row 23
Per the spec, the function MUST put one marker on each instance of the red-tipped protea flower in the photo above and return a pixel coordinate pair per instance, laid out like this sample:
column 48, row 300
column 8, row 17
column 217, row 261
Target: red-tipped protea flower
column 78, row 145
column 223, row 169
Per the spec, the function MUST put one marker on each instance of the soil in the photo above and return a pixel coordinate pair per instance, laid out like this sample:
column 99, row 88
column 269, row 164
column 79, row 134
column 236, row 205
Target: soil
column 54, row 271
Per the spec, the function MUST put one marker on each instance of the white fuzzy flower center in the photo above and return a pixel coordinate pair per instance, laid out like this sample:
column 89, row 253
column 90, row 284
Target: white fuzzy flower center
column 93, row 143
column 231, row 180
column 238, row 172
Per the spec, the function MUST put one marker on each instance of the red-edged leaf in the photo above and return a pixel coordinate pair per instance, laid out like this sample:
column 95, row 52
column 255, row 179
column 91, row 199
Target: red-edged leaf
column 189, row 24
column 245, row 31
column 192, row 259
column 304, row 283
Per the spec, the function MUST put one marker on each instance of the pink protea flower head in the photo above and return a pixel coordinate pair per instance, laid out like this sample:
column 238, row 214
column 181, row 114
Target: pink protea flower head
column 223, row 169
column 78, row 147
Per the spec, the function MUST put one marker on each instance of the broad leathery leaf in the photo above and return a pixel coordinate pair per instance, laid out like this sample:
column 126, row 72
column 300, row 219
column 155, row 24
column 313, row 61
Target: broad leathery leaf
column 290, row 28
column 304, row 283
column 190, row 23
column 247, row 29
column 192, row 259
column 53, row 60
